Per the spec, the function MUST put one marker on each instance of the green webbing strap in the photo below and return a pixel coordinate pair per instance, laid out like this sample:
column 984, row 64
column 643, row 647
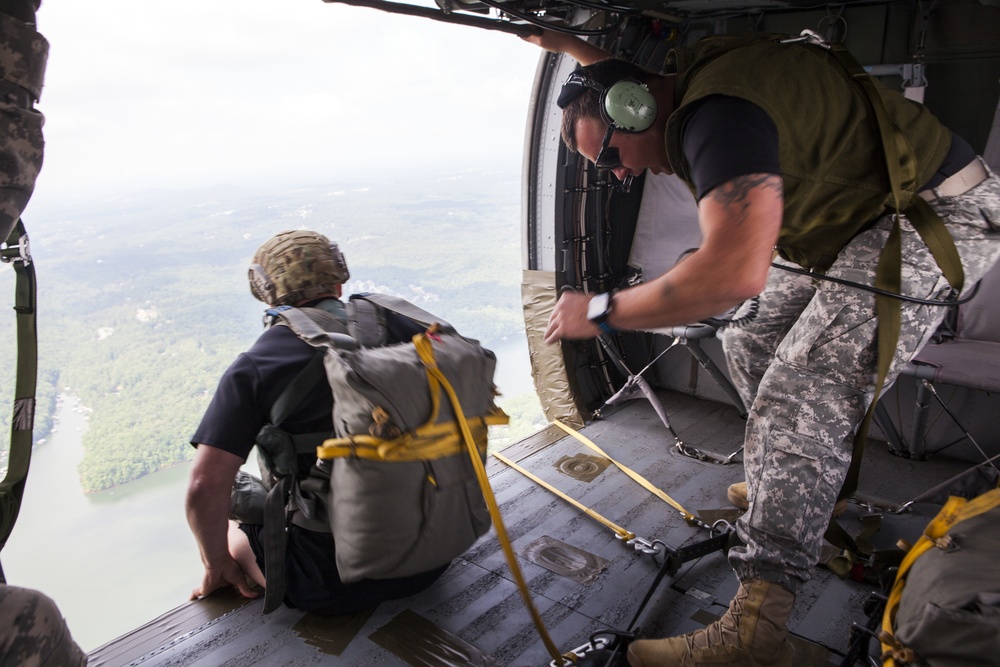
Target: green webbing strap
column 16, row 252
column 305, row 322
column 300, row 387
column 901, row 171
column 275, row 543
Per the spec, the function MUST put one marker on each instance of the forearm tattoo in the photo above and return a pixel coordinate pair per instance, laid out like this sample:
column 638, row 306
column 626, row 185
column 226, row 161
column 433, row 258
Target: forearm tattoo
column 733, row 194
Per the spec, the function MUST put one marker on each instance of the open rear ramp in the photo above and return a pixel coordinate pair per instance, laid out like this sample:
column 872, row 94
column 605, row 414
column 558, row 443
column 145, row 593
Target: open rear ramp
column 583, row 579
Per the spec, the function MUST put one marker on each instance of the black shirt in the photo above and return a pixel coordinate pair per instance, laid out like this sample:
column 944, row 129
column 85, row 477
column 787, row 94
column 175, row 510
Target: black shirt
column 250, row 386
column 725, row 137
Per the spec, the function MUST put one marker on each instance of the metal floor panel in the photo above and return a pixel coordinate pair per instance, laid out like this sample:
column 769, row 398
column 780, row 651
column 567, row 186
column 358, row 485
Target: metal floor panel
column 474, row 614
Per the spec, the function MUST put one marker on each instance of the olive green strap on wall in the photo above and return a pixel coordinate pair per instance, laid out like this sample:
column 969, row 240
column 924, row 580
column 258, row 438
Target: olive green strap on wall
column 16, row 252
column 901, row 172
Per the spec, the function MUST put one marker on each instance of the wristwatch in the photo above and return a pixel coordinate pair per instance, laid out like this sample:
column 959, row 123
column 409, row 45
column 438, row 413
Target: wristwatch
column 599, row 310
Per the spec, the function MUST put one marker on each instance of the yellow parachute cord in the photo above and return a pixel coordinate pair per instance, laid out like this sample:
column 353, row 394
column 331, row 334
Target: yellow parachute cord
column 426, row 351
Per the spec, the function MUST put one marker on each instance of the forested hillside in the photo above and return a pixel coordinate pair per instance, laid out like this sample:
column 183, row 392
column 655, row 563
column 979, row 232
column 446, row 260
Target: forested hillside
column 143, row 301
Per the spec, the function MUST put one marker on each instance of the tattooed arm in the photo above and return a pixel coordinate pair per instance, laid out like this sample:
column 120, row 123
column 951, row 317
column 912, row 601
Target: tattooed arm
column 740, row 221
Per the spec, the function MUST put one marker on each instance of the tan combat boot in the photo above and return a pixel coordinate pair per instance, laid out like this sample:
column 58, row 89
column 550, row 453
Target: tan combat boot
column 737, row 495
column 751, row 633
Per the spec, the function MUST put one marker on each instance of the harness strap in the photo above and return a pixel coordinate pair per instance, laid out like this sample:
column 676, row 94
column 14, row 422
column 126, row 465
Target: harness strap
column 276, row 516
column 300, row 387
column 426, row 353
column 16, row 252
column 901, row 170
column 275, row 543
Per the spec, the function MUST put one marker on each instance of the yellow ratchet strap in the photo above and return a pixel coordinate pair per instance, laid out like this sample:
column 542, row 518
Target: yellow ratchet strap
column 426, row 351
column 955, row 511
column 639, row 479
column 623, row 534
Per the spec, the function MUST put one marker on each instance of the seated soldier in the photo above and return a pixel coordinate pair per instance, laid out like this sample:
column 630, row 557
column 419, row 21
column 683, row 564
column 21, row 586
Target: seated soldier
column 296, row 268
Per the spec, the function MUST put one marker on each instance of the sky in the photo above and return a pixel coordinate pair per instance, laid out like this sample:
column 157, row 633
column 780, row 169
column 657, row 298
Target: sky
column 187, row 93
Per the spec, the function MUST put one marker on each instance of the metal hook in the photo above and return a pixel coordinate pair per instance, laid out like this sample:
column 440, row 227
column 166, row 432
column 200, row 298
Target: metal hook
column 809, row 37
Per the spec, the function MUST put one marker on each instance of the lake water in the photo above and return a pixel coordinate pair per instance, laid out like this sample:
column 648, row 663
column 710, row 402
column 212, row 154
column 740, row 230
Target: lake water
column 117, row 559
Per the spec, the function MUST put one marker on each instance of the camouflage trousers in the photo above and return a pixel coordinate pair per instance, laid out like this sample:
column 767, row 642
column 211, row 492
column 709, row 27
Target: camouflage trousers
column 23, row 55
column 807, row 366
column 33, row 632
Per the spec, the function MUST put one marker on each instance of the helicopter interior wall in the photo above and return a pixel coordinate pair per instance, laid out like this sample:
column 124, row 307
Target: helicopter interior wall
column 580, row 236
column 666, row 229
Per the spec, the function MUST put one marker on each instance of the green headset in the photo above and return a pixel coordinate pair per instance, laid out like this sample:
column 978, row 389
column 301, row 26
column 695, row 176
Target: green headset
column 626, row 105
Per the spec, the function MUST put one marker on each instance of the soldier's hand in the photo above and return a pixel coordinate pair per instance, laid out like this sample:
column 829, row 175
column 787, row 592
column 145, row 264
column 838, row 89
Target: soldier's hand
column 228, row 574
column 569, row 319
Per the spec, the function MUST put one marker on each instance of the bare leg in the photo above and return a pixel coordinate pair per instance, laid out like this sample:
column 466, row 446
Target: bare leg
column 239, row 549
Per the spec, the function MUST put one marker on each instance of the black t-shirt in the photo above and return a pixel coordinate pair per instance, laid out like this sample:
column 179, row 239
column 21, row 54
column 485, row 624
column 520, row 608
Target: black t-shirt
column 241, row 406
column 725, row 137
column 250, row 386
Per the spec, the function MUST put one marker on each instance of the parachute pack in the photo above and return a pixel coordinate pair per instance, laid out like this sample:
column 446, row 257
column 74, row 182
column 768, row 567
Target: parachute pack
column 396, row 484
column 944, row 606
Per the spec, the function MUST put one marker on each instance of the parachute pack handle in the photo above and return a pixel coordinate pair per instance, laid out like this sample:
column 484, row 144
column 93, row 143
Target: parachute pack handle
column 425, row 350
column 16, row 252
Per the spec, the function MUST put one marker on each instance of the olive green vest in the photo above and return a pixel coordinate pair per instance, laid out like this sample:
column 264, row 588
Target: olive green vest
column 832, row 158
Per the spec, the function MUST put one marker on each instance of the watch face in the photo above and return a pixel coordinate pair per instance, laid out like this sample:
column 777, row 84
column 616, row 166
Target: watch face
column 598, row 306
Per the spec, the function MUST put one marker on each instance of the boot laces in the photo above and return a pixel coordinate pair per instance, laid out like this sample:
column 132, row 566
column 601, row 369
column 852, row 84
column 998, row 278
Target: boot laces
column 716, row 633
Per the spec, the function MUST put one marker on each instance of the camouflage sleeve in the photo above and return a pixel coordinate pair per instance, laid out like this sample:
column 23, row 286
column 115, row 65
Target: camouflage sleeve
column 23, row 53
column 33, row 632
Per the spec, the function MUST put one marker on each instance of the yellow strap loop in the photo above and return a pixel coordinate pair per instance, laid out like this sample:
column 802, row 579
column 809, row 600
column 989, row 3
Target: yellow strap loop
column 429, row 442
column 642, row 481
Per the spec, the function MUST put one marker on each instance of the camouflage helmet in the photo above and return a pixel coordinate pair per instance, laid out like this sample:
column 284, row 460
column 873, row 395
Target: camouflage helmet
column 295, row 266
